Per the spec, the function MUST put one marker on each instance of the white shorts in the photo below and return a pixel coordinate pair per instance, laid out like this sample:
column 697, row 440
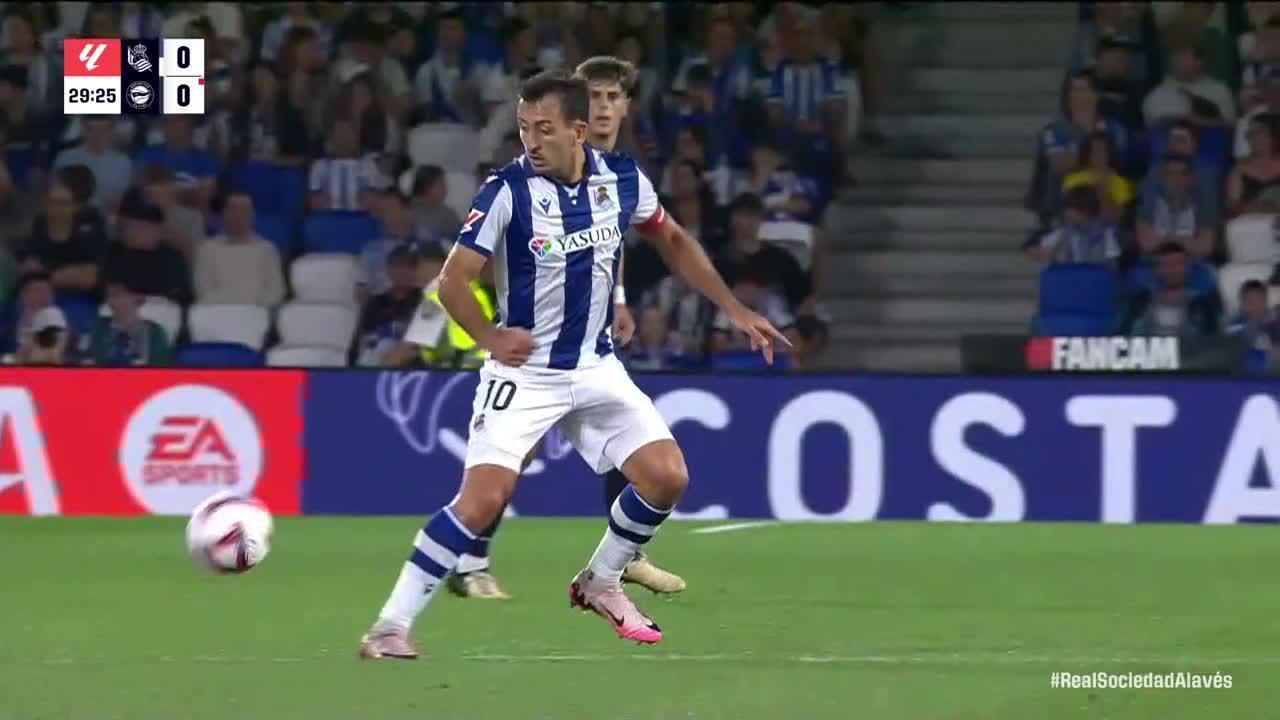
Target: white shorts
column 599, row 409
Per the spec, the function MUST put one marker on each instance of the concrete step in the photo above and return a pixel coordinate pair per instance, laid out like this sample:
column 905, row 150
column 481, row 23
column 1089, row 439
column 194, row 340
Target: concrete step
column 898, row 171
column 1003, row 12
column 843, row 217
column 934, row 357
column 983, row 45
column 1043, row 100
column 966, row 126
column 1000, row 240
column 935, row 310
column 959, row 261
column 1032, row 79
column 956, row 147
column 899, row 194
column 861, row 285
column 872, row 333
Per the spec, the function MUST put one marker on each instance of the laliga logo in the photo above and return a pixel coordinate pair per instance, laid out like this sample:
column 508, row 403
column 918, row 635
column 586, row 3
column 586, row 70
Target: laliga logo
column 405, row 398
column 186, row 441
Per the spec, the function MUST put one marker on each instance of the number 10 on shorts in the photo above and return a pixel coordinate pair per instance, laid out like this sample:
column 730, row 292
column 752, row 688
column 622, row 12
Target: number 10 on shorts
column 182, row 64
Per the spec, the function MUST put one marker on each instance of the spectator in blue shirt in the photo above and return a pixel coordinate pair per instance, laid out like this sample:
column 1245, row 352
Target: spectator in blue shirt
column 1082, row 237
column 1258, row 324
column 806, row 102
column 1175, row 215
column 447, row 87
column 1174, row 306
column 726, row 82
column 1060, row 141
column 1184, row 142
column 194, row 168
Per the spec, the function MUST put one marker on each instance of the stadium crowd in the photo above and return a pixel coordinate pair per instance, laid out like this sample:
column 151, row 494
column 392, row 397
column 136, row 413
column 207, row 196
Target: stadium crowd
column 299, row 220
column 1158, row 185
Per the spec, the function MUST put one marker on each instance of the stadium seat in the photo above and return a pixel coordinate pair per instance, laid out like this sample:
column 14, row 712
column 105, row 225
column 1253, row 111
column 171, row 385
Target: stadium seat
column 216, row 354
column 748, row 360
column 448, row 145
column 276, row 190
column 325, row 278
column 81, row 312
column 791, row 235
column 462, row 189
column 163, row 312
column 316, row 324
column 1252, row 239
column 303, row 356
column 1078, row 288
column 243, row 324
column 338, row 231
column 1257, row 362
column 1233, row 276
column 1072, row 325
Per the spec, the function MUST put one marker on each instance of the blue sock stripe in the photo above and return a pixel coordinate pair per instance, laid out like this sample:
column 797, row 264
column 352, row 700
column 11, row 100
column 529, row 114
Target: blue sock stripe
column 450, row 534
column 637, row 510
column 626, row 534
column 481, row 548
column 458, row 523
column 428, row 566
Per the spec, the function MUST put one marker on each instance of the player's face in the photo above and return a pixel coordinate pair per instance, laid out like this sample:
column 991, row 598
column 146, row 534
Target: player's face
column 548, row 137
column 608, row 108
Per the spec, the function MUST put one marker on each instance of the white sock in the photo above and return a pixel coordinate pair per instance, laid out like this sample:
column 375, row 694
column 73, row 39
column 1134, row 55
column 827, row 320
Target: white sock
column 611, row 557
column 409, row 597
column 471, row 563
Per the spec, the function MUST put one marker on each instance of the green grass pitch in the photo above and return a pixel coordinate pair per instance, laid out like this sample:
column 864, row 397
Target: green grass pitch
column 109, row 619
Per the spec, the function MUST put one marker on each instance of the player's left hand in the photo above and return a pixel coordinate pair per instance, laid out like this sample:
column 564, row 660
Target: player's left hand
column 762, row 333
column 624, row 324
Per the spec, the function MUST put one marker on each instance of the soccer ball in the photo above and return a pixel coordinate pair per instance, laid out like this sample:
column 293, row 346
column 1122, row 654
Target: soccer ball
column 229, row 534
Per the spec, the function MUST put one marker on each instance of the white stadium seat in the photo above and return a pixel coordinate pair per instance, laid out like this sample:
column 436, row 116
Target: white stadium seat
column 462, row 190
column 791, row 235
column 244, row 324
column 316, row 324
column 304, row 356
column 1234, row 275
column 449, row 145
column 163, row 312
column 324, row 277
column 1252, row 239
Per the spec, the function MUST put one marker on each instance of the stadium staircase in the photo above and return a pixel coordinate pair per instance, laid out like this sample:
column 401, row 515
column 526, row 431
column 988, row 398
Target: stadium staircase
column 925, row 248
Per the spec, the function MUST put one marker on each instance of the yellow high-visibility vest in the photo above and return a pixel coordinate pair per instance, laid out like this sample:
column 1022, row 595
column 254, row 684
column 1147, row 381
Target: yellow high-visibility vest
column 456, row 347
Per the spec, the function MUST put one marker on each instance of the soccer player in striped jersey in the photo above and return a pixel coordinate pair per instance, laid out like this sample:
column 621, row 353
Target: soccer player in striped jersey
column 610, row 82
column 552, row 222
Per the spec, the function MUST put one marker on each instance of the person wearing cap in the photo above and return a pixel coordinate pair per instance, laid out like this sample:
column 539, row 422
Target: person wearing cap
column 141, row 260
column 125, row 338
column 410, row 267
column 46, row 341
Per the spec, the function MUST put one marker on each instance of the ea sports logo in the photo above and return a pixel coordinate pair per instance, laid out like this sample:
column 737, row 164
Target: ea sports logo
column 139, row 95
column 186, row 442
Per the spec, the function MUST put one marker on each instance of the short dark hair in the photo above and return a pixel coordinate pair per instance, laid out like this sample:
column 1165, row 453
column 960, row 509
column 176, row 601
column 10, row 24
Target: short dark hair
column 607, row 68
column 1084, row 199
column 80, row 180
column 1252, row 286
column 426, row 176
column 571, row 91
column 749, row 202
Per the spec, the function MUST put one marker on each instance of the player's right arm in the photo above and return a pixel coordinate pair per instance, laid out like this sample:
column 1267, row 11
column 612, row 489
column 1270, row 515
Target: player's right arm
column 484, row 228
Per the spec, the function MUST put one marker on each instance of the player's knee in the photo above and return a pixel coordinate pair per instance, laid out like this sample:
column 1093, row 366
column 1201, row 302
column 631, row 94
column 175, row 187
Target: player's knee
column 483, row 498
column 670, row 477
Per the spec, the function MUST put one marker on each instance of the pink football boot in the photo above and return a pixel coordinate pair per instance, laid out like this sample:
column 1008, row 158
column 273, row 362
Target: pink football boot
column 609, row 602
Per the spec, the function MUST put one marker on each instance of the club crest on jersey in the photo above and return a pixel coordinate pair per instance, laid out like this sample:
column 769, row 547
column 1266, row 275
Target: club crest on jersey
column 603, row 201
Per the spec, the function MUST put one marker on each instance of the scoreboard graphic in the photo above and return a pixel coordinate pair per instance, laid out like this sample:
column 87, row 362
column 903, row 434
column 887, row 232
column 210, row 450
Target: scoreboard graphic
column 142, row 76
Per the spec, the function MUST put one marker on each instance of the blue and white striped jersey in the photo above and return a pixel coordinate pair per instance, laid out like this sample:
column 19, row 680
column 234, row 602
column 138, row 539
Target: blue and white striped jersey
column 555, row 251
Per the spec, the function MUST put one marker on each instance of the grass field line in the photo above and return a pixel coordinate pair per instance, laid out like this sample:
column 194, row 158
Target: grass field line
column 1079, row 662
column 732, row 527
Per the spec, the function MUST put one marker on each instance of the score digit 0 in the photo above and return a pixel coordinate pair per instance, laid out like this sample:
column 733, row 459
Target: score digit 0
column 183, row 68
